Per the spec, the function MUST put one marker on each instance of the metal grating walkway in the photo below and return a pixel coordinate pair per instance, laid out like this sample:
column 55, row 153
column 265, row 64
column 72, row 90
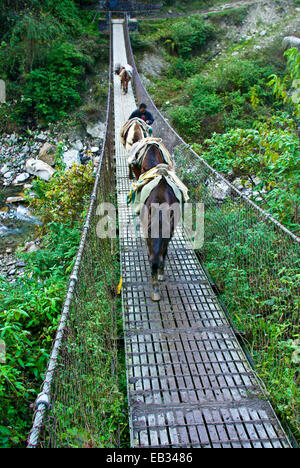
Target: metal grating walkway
column 189, row 382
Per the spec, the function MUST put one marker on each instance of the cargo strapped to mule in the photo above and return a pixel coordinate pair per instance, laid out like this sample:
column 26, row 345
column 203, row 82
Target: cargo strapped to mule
column 141, row 189
column 139, row 150
column 127, row 125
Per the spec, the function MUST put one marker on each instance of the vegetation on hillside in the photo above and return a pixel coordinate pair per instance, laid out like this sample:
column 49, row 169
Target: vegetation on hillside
column 46, row 50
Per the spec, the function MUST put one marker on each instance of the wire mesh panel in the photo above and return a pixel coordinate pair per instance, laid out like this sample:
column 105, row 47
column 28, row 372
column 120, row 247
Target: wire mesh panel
column 73, row 409
column 252, row 260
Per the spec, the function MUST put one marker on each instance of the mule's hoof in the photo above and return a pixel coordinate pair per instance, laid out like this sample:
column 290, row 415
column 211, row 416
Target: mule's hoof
column 161, row 277
column 155, row 296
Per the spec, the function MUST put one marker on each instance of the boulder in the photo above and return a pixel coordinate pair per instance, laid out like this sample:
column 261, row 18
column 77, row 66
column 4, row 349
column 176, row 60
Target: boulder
column 31, row 247
column 39, row 169
column 77, row 145
column 21, row 178
column 8, row 175
column 291, row 41
column 4, row 169
column 71, row 157
column 95, row 149
column 41, row 137
column 11, row 200
column 218, row 189
column 47, row 154
column 97, row 130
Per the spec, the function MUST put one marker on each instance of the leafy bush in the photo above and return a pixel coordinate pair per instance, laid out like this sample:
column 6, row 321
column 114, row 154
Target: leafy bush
column 222, row 101
column 181, row 68
column 29, row 314
column 270, row 151
column 63, row 198
column 190, row 34
column 287, row 89
column 48, row 48
column 182, row 37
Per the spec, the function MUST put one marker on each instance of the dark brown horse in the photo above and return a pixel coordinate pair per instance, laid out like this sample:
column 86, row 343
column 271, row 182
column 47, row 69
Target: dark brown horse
column 125, row 79
column 152, row 158
column 159, row 216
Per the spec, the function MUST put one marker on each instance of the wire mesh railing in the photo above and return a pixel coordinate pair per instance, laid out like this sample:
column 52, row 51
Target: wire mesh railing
column 252, row 260
column 73, row 409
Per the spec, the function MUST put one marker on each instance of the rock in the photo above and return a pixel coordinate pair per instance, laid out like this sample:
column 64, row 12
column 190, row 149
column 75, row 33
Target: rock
column 21, row 178
column 218, row 189
column 47, row 154
column 97, row 130
column 238, row 184
column 32, row 247
column 291, row 41
column 41, row 137
column 11, row 200
column 4, row 169
column 39, row 169
column 77, row 145
column 8, row 175
column 152, row 64
column 13, row 138
column 12, row 272
column 71, row 157
column 263, row 33
column 95, row 149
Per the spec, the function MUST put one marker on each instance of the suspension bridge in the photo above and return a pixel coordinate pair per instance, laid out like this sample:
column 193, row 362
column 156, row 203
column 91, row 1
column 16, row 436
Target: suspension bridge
column 189, row 381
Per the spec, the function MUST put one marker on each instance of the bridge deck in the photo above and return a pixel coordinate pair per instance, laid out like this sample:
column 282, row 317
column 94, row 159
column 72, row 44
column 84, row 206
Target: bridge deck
column 189, row 382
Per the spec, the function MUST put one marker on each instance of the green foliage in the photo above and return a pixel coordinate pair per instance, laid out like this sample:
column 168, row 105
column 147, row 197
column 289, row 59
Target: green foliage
column 222, row 100
column 181, row 68
column 29, row 311
column 62, row 199
column 49, row 47
column 270, row 151
column 189, row 34
column 287, row 89
column 182, row 37
column 28, row 318
column 52, row 90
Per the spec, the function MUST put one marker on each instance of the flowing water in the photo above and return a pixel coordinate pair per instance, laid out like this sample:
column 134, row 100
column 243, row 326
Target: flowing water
column 17, row 223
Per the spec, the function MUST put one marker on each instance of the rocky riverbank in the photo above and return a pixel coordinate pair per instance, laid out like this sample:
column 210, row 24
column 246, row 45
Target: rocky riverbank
column 24, row 157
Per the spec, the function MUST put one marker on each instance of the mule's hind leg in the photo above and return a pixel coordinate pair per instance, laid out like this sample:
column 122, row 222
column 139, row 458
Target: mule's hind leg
column 156, row 265
column 161, row 271
column 130, row 174
column 155, row 295
column 161, row 275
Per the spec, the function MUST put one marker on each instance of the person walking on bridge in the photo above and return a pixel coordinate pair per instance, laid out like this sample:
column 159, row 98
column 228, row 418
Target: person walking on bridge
column 144, row 114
